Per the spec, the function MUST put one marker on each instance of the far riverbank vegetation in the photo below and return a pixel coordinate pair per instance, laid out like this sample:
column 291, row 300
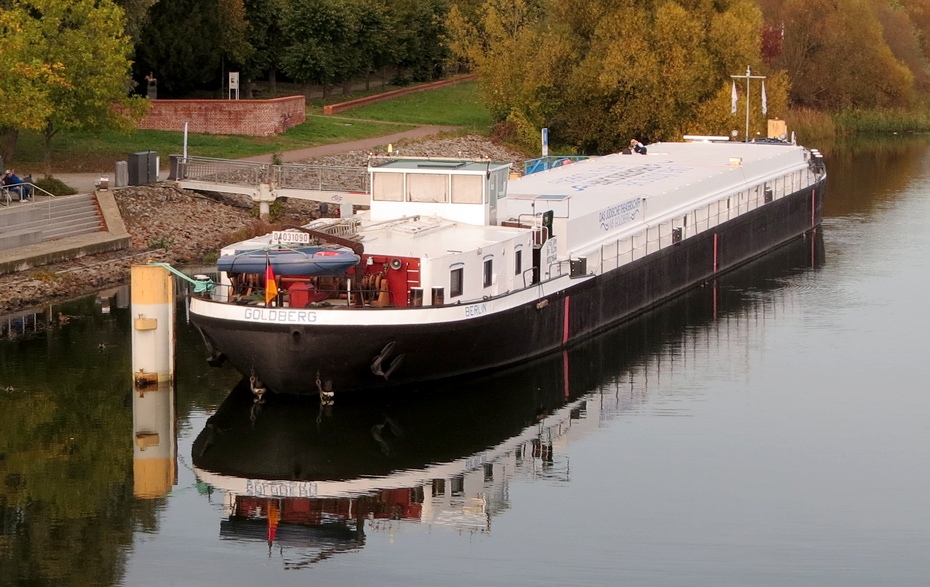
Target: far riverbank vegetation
column 595, row 72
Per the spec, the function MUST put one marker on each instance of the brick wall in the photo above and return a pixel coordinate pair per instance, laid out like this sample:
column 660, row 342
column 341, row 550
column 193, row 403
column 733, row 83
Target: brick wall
column 227, row 117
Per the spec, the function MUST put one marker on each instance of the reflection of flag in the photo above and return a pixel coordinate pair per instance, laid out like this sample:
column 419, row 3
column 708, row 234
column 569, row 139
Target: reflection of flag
column 274, row 515
column 733, row 100
column 271, row 288
column 765, row 105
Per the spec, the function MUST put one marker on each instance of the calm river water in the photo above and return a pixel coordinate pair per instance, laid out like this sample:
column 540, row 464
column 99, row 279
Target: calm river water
column 773, row 429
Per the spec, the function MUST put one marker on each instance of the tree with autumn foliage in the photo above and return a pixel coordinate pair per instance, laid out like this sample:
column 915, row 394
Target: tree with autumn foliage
column 600, row 72
column 80, row 52
column 25, row 79
column 835, row 52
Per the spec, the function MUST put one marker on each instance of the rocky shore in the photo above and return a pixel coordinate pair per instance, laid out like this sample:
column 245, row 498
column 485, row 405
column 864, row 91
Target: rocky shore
column 184, row 227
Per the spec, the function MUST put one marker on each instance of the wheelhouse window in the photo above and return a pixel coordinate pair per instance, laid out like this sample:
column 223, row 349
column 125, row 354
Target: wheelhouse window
column 456, row 282
column 488, row 272
column 426, row 187
column 387, row 187
column 518, row 262
column 467, row 189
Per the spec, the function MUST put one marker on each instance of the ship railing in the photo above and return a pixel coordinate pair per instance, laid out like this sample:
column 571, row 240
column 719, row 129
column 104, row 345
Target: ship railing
column 530, row 276
column 700, row 219
column 244, row 295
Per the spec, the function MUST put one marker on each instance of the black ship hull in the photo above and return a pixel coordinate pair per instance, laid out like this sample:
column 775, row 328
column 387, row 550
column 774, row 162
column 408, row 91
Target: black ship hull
column 306, row 358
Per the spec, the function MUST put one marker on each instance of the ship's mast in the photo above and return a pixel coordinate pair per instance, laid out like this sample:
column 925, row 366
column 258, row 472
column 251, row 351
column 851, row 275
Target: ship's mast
column 748, row 76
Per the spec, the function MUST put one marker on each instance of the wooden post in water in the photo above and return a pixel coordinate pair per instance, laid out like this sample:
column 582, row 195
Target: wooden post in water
column 153, row 411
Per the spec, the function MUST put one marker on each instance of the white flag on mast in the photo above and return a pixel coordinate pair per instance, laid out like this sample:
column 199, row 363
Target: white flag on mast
column 765, row 105
column 733, row 99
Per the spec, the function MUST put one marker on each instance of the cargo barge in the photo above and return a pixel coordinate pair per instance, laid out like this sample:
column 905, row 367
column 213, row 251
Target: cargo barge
column 462, row 269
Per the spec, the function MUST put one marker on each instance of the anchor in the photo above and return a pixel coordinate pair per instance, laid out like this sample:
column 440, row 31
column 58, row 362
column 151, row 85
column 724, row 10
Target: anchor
column 377, row 434
column 258, row 391
column 378, row 361
column 326, row 392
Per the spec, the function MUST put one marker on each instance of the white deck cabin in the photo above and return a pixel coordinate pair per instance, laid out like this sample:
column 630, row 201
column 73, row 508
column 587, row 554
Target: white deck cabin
column 685, row 186
column 458, row 190
column 415, row 204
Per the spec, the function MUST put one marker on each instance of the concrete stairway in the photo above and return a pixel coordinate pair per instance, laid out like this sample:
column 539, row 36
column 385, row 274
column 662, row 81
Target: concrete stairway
column 49, row 219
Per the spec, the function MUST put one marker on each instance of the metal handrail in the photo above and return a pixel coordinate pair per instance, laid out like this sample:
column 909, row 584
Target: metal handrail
column 7, row 189
column 286, row 176
column 705, row 220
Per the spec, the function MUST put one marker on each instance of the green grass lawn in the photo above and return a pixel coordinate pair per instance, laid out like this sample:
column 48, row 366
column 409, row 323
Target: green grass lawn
column 456, row 105
column 78, row 151
column 75, row 151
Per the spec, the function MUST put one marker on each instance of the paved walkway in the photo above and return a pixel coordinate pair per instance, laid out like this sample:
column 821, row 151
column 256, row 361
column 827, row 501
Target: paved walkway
column 84, row 182
column 359, row 145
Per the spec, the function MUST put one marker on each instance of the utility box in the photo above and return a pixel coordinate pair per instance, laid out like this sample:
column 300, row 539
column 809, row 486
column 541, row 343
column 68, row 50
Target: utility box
column 174, row 167
column 121, row 179
column 143, row 168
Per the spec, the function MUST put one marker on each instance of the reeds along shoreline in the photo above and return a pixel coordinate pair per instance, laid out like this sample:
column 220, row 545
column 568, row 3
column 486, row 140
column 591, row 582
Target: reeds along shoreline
column 816, row 125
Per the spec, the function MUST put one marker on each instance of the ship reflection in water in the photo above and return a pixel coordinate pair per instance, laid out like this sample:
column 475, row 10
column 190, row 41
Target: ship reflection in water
column 310, row 480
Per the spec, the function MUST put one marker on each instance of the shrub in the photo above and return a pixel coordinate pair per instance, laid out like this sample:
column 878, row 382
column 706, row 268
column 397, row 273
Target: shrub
column 54, row 186
column 161, row 242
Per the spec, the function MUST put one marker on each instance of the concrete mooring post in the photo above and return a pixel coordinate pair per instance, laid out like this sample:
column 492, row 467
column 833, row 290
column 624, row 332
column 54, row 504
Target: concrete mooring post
column 153, row 409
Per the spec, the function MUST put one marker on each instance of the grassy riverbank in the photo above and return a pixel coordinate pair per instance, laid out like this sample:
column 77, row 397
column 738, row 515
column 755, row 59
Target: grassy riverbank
column 76, row 151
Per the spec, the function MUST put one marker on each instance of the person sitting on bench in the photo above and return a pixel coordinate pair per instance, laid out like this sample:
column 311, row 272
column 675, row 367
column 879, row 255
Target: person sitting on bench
column 14, row 184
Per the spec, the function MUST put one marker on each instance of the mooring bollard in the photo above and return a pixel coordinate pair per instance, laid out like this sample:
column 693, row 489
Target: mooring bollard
column 152, row 325
column 154, row 445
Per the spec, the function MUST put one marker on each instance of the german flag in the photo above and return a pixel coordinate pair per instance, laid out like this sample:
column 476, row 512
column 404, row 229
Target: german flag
column 271, row 287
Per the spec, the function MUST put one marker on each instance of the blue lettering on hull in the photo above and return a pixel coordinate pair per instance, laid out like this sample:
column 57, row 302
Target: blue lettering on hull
column 476, row 310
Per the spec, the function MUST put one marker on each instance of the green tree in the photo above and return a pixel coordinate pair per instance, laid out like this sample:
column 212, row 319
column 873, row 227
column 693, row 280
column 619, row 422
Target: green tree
column 233, row 40
column 137, row 15
column 265, row 35
column 83, row 43
column 86, row 37
column 188, row 43
column 25, row 80
column 322, row 34
column 419, row 29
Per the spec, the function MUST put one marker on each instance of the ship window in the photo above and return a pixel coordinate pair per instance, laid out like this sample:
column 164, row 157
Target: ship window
column 467, row 189
column 488, row 272
column 427, row 187
column 456, row 282
column 387, row 187
column 518, row 263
